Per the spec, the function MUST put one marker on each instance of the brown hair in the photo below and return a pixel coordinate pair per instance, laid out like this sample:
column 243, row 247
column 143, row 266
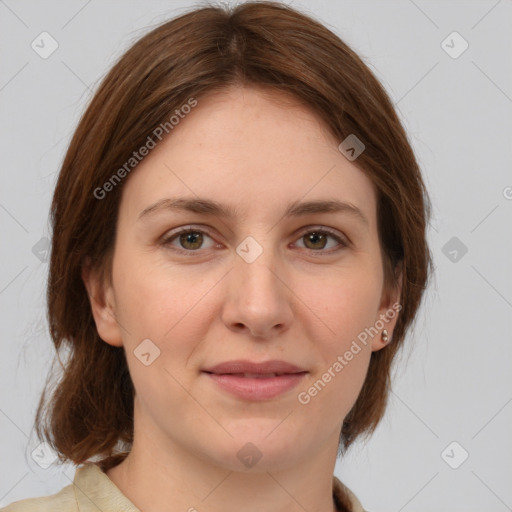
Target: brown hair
column 263, row 44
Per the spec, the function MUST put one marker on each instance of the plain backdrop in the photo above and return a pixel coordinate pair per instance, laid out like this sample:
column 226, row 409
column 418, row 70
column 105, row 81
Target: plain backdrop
column 445, row 442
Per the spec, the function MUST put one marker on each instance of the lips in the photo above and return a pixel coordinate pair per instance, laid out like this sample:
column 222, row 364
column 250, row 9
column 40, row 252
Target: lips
column 249, row 368
column 255, row 381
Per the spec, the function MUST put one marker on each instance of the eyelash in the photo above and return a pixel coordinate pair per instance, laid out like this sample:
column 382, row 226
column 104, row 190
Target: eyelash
column 166, row 241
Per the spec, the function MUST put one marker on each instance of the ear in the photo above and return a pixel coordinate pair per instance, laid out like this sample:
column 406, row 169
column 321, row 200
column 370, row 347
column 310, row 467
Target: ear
column 101, row 298
column 389, row 310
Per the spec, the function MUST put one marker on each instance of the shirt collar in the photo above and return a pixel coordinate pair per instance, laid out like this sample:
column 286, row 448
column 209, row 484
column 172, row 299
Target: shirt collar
column 94, row 491
column 344, row 498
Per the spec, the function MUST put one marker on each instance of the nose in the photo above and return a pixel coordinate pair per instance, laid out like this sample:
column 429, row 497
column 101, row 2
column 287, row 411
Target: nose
column 257, row 298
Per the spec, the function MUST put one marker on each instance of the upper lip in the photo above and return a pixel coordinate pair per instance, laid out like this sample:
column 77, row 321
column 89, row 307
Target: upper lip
column 240, row 366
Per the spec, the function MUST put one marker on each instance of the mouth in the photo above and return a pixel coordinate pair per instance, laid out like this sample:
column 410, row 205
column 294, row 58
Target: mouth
column 255, row 381
column 254, row 375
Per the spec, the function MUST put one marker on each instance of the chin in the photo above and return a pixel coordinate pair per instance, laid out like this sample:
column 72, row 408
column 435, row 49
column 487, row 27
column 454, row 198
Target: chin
column 257, row 446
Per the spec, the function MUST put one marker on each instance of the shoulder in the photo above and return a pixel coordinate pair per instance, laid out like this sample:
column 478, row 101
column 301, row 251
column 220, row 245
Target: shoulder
column 344, row 498
column 63, row 501
column 91, row 490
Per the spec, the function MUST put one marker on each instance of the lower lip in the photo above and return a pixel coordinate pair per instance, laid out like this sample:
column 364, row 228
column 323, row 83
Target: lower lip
column 256, row 388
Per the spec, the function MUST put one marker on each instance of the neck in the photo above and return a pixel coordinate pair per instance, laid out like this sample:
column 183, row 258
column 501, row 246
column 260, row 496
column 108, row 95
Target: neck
column 160, row 474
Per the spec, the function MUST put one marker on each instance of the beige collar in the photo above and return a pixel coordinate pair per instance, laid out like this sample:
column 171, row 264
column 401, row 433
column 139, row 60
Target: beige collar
column 95, row 491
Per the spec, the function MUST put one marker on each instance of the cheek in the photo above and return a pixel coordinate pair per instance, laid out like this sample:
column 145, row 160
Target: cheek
column 154, row 299
column 171, row 308
column 347, row 303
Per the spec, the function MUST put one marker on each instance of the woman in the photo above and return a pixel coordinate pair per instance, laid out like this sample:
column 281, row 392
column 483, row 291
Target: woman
column 238, row 252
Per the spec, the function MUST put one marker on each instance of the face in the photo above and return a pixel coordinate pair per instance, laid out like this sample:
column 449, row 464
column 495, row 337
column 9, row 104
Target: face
column 218, row 258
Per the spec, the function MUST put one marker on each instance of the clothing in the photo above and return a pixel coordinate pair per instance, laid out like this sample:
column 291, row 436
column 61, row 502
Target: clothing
column 93, row 491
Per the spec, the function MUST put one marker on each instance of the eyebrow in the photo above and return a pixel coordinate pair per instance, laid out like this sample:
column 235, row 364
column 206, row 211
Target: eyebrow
column 209, row 207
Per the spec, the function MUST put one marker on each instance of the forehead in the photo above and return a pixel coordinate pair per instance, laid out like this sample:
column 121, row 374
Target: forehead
column 252, row 148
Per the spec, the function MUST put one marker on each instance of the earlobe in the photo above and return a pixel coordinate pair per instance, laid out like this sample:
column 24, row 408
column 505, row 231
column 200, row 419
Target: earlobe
column 388, row 313
column 103, row 307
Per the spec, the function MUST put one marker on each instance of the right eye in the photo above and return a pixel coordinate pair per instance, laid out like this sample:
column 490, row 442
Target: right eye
column 189, row 240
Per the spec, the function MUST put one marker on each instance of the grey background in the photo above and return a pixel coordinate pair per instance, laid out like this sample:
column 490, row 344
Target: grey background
column 453, row 383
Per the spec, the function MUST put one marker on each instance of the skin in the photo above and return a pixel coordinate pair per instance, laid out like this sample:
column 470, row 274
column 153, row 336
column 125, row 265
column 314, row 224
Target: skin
column 298, row 302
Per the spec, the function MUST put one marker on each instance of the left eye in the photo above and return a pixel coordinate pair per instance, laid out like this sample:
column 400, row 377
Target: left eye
column 191, row 240
column 318, row 239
